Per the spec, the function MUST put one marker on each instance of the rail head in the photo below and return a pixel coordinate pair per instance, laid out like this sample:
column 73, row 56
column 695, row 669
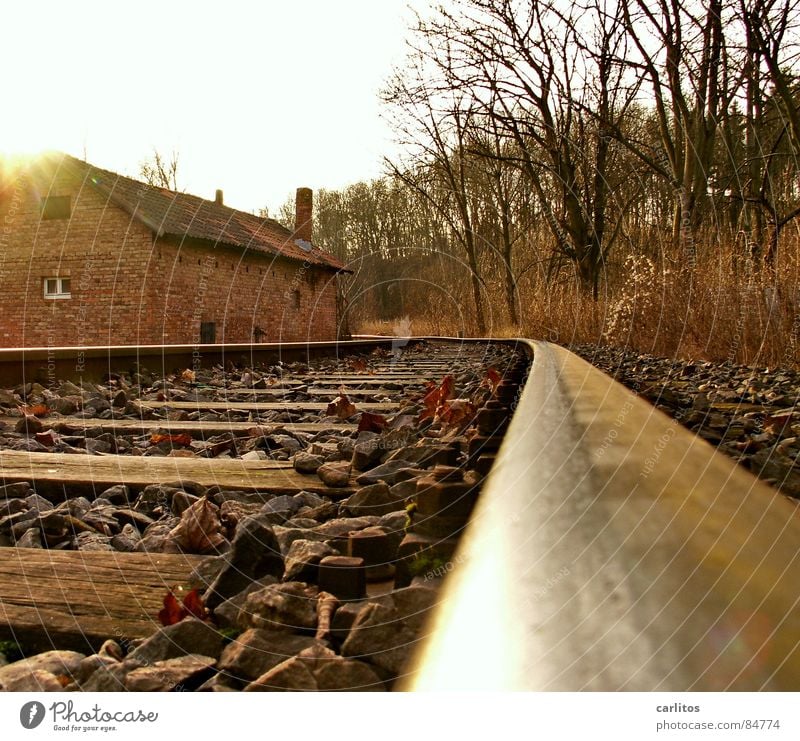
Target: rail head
column 611, row 549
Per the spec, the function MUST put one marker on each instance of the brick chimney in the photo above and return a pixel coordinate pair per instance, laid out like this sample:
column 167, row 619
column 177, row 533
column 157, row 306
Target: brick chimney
column 218, row 197
column 303, row 220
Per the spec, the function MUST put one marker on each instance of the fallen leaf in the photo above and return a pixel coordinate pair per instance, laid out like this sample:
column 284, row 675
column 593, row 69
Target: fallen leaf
column 172, row 612
column 200, row 529
column 370, row 422
column 457, row 413
column 436, row 398
column 341, row 407
column 359, row 365
column 37, row 410
column 491, row 380
column 184, row 439
column 48, row 438
column 193, row 603
column 188, row 376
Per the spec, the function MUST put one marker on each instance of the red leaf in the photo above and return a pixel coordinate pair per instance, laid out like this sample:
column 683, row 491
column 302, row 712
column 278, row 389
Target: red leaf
column 359, row 365
column 434, row 400
column 37, row 410
column 184, row 439
column 172, row 612
column 492, row 380
column 458, row 413
column 341, row 407
column 371, row 422
column 193, row 603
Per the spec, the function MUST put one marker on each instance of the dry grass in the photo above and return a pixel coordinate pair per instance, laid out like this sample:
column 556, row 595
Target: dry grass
column 720, row 310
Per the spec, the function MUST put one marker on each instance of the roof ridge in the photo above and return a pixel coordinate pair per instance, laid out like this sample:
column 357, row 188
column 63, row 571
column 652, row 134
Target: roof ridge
column 185, row 215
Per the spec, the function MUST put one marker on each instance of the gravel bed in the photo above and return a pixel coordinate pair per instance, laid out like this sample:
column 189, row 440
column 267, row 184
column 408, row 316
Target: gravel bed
column 750, row 414
column 264, row 620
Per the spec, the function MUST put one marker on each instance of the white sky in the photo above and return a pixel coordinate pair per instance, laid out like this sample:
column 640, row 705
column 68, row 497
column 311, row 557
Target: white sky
column 258, row 98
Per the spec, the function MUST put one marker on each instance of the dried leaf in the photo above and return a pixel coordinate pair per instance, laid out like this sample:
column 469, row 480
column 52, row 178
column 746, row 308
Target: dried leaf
column 193, row 603
column 188, row 376
column 37, row 410
column 457, row 413
column 492, row 380
column 200, row 529
column 434, row 401
column 341, row 407
column 370, row 422
column 172, row 611
column 184, row 439
column 358, row 365
column 48, row 438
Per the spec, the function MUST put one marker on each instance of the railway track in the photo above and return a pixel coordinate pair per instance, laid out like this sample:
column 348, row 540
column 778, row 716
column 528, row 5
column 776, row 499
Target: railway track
column 588, row 542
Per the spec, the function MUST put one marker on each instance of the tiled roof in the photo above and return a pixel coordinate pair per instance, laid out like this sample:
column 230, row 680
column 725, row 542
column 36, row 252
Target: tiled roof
column 181, row 215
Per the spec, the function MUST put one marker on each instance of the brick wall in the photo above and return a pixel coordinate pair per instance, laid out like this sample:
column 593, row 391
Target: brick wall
column 127, row 288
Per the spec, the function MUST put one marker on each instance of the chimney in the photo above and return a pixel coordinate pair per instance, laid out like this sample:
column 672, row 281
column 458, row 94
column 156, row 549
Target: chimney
column 303, row 223
column 218, row 197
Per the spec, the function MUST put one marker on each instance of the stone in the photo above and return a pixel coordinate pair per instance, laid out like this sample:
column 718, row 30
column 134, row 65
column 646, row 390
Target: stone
column 288, row 606
column 34, row 681
column 57, row 663
column 306, row 462
column 344, row 525
column 29, row 425
column 390, row 473
column 386, row 630
column 90, row 665
column 172, row 675
column 226, row 614
column 181, row 501
column 255, row 455
column 375, row 499
column 348, row 675
column 303, row 558
column 334, row 474
column 366, row 452
column 109, row 677
column 292, row 675
column 93, row 542
column 254, row 553
column 256, row 651
column 120, row 400
column 188, row 636
column 309, row 499
column 31, row 538
column 18, row 490
column 284, row 506
column 155, row 537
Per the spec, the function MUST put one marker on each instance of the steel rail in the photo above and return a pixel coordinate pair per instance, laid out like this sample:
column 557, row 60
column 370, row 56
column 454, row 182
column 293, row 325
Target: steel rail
column 611, row 549
column 92, row 362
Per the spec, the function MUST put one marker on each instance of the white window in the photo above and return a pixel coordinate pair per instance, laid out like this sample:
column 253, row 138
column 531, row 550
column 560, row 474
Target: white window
column 57, row 288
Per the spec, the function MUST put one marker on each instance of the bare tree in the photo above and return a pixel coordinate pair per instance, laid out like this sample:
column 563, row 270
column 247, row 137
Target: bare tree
column 160, row 170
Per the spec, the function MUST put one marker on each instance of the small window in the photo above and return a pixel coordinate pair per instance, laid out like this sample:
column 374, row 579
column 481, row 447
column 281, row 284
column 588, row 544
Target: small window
column 57, row 288
column 55, row 207
column 208, row 333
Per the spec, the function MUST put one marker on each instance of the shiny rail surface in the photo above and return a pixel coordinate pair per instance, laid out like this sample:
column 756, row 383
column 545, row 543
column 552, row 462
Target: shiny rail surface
column 611, row 549
column 92, row 363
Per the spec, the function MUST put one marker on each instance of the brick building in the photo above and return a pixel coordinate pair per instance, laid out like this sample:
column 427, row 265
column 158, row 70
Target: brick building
column 89, row 257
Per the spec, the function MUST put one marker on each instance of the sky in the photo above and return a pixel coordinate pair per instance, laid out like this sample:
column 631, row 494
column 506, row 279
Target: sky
column 256, row 98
